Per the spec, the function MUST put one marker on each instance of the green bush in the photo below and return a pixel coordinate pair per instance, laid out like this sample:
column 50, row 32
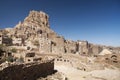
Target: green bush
column 9, row 59
column 14, row 50
column 36, row 43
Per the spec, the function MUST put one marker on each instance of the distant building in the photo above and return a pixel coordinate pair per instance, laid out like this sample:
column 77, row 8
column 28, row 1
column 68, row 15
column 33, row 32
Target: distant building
column 0, row 38
column 17, row 41
column 4, row 39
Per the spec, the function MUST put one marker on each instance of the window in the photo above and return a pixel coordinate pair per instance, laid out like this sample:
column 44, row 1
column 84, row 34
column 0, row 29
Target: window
column 57, row 59
column 29, row 60
column 67, row 60
column 60, row 59
column 115, row 61
column 28, row 48
column 64, row 60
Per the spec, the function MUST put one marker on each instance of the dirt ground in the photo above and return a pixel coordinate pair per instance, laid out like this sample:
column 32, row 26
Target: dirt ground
column 74, row 74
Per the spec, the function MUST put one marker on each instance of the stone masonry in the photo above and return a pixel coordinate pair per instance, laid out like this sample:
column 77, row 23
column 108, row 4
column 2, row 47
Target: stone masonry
column 30, row 71
column 36, row 28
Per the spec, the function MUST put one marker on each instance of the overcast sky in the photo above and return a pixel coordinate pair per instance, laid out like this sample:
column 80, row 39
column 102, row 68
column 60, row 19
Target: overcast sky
column 97, row 21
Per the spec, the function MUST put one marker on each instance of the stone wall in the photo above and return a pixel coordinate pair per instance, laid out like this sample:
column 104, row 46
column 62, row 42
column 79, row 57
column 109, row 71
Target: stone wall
column 70, row 46
column 83, row 47
column 5, row 39
column 58, row 45
column 0, row 38
column 17, row 41
column 30, row 71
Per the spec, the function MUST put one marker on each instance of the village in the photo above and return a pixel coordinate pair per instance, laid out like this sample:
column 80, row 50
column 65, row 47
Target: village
column 32, row 47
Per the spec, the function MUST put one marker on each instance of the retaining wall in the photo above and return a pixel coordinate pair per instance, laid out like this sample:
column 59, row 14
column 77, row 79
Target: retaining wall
column 30, row 71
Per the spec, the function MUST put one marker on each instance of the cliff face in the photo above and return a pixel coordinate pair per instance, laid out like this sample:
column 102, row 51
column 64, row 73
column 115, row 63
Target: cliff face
column 35, row 32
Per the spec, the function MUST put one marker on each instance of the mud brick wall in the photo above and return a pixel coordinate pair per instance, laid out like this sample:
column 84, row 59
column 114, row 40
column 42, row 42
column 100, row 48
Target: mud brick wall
column 27, row 71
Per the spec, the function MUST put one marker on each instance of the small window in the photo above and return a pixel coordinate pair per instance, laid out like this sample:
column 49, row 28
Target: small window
column 28, row 48
column 84, row 69
column 84, row 53
column 106, row 58
column 57, row 59
column 43, row 22
column 115, row 61
column 60, row 59
column 67, row 60
column 33, row 28
column 29, row 60
column 64, row 60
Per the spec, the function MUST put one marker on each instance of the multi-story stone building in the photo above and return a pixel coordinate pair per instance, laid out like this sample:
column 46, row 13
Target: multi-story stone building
column 17, row 41
column 4, row 39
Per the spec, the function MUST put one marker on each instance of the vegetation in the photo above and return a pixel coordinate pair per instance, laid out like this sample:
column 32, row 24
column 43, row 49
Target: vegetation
column 4, row 49
column 2, row 46
column 36, row 43
column 14, row 50
column 9, row 59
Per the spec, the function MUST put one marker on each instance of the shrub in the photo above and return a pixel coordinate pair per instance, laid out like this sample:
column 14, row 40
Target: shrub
column 36, row 43
column 9, row 59
column 14, row 50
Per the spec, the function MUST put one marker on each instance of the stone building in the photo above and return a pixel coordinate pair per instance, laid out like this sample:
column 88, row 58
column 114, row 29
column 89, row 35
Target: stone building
column 29, row 57
column 36, row 27
column 70, row 46
column 95, row 49
column 4, row 39
column 17, row 41
column 83, row 47
column 58, row 45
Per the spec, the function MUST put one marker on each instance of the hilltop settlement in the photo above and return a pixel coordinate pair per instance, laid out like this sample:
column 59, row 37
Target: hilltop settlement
column 33, row 51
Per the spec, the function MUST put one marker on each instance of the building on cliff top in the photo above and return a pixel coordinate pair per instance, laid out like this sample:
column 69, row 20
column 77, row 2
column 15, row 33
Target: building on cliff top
column 35, row 27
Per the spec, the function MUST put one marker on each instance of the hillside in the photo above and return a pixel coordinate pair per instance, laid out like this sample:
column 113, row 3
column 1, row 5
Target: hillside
column 35, row 32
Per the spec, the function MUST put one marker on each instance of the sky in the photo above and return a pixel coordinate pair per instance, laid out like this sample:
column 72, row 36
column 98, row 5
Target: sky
column 97, row 21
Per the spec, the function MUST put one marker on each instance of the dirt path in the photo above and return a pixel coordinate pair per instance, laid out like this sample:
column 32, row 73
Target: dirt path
column 74, row 74
column 71, row 73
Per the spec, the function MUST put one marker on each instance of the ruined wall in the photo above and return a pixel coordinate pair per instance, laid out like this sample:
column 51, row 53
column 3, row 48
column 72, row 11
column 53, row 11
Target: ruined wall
column 45, row 45
column 17, row 41
column 95, row 49
column 83, row 47
column 70, row 46
column 28, row 71
column 62, row 61
column 58, row 45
